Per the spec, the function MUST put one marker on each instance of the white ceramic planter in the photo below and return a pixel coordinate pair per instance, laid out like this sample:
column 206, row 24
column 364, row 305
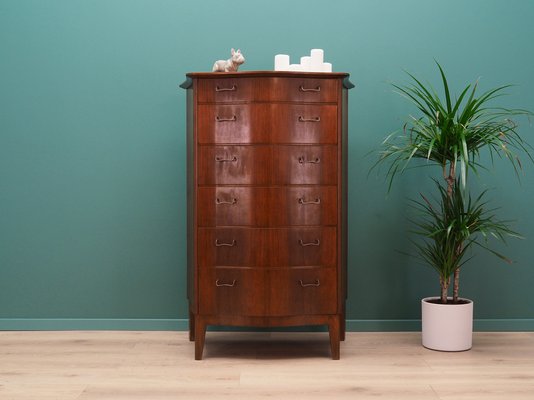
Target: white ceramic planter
column 447, row 327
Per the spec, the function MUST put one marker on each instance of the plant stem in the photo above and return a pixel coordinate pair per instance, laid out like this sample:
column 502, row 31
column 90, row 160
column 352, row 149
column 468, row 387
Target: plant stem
column 451, row 178
column 444, row 283
column 456, row 284
column 456, row 281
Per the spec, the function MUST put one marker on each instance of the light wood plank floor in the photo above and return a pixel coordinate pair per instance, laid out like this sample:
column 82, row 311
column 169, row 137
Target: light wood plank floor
column 159, row 365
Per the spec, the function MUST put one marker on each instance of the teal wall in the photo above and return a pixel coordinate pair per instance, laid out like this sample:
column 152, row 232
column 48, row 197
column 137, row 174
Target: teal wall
column 92, row 148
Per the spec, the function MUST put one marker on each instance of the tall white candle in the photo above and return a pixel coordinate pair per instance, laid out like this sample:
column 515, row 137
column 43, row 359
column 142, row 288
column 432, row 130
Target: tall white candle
column 317, row 59
column 281, row 62
column 305, row 62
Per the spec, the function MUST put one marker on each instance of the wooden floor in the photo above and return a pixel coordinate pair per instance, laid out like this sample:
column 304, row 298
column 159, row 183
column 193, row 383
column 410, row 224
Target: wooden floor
column 160, row 365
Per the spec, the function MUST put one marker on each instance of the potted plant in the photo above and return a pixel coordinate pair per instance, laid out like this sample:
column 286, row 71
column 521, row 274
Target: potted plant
column 452, row 135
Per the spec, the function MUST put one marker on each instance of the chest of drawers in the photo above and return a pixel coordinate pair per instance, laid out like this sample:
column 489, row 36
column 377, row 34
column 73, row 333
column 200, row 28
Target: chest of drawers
column 266, row 165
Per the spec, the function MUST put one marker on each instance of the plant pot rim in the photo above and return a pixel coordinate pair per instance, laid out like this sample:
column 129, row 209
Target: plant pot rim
column 427, row 301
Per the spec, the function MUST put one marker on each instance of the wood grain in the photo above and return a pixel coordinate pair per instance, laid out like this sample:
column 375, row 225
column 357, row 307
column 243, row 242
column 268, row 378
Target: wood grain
column 104, row 365
column 267, row 201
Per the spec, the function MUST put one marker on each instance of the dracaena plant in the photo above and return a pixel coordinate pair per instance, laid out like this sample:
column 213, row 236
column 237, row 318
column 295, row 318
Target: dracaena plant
column 453, row 134
column 451, row 224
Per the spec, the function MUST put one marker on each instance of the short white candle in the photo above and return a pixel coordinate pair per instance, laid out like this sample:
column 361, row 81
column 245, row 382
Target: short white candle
column 327, row 67
column 281, row 62
column 295, row 67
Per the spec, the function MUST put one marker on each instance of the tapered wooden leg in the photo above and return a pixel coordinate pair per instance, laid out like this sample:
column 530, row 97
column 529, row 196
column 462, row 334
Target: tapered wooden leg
column 200, row 336
column 191, row 326
column 342, row 326
column 334, row 330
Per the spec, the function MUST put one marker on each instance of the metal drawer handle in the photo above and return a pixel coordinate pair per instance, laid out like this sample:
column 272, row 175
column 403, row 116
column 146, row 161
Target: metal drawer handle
column 225, row 284
column 222, row 159
column 219, row 119
column 316, row 283
column 316, row 242
column 219, row 201
column 314, row 119
column 220, row 89
column 303, row 89
column 316, row 201
column 219, row 244
column 303, row 160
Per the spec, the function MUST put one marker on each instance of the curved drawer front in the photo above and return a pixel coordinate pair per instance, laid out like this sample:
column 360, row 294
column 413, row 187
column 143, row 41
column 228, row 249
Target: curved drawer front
column 228, row 123
column 274, row 292
column 302, row 90
column 251, row 206
column 234, row 165
column 306, row 165
column 258, row 247
column 309, row 205
column 232, row 291
column 303, row 123
column 236, row 247
column 298, row 291
column 308, row 246
column 253, row 165
column 225, row 90
column 267, row 123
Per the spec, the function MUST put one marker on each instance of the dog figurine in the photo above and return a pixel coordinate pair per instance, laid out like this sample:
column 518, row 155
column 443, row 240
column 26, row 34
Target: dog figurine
column 230, row 65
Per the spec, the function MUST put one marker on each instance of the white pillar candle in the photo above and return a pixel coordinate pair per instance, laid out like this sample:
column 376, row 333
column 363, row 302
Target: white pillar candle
column 327, row 67
column 281, row 62
column 295, row 67
column 317, row 59
column 305, row 63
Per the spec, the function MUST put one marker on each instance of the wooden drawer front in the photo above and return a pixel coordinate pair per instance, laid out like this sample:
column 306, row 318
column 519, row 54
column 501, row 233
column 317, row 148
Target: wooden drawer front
column 308, row 246
column 309, row 205
column 306, row 165
column 251, row 206
column 298, row 291
column 257, row 247
column 234, row 206
column 236, row 247
column 304, row 123
column 252, row 165
column 231, row 123
column 225, row 90
column 302, row 90
column 232, row 291
column 234, row 165
column 264, row 123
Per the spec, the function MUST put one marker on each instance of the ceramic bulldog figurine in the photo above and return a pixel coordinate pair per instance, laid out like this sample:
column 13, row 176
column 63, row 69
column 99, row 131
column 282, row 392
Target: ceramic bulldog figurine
column 230, row 65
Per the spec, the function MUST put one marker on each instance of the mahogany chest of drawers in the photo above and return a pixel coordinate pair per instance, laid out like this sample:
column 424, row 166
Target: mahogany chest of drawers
column 266, row 164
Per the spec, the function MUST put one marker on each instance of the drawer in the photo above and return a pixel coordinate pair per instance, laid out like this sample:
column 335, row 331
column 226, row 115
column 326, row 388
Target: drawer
column 251, row 206
column 267, row 292
column 265, row 165
column 244, row 206
column 259, row 247
column 232, row 291
column 232, row 123
column 302, row 291
column 306, row 165
column 302, row 90
column 227, row 165
column 303, row 123
column 307, row 246
column 309, row 205
column 296, row 89
column 225, row 90
column 236, row 247
column 264, row 123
